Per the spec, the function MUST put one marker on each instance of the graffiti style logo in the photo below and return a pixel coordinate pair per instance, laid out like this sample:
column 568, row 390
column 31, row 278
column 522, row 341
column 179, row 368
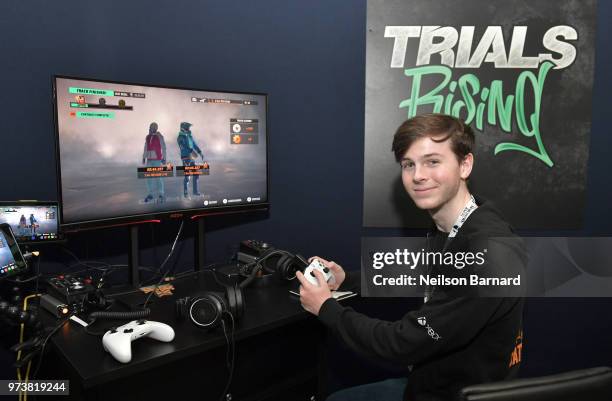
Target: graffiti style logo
column 499, row 102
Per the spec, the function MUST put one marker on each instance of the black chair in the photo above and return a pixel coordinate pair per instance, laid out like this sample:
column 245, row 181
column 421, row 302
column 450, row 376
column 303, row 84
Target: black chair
column 593, row 384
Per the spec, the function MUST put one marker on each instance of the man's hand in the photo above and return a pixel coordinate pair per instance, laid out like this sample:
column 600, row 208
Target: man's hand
column 335, row 268
column 312, row 296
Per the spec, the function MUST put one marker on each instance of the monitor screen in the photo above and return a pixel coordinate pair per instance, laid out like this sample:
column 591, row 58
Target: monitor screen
column 131, row 151
column 31, row 221
column 11, row 259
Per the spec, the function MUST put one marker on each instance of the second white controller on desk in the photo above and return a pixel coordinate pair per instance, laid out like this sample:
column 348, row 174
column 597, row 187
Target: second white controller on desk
column 318, row 265
column 118, row 342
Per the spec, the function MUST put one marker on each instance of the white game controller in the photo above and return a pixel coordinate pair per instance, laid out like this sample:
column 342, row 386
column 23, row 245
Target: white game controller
column 119, row 341
column 318, row 265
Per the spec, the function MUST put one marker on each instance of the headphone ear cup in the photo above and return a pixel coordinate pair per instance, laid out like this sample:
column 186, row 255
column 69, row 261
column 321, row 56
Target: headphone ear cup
column 284, row 268
column 271, row 261
column 235, row 300
column 223, row 306
column 239, row 302
column 206, row 310
column 230, row 294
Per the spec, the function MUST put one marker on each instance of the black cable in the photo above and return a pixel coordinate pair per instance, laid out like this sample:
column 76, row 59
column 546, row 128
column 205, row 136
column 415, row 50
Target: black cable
column 251, row 276
column 103, row 266
column 186, row 273
column 151, row 280
column 93, row 317
column 139, row 314
column 207, row 268
column 228, row 353
column 172, row 269
column 94, row 333
column 37, row 273
column 164, row 263
column 271, row 253
column 44, row 344
column 231, row 350
column 91, row 264
column 114, row 268
column 118, row 294
column 27, row 280
column 214, row 273
column 79, row 262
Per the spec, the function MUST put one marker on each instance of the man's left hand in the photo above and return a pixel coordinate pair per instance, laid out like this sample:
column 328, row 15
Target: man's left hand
column 312, row 296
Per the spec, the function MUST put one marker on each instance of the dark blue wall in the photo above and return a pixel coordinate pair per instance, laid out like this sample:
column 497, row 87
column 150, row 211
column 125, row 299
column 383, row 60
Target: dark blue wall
column 310, row 57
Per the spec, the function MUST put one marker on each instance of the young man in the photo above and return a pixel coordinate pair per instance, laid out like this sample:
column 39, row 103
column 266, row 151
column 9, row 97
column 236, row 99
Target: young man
column 461, row 335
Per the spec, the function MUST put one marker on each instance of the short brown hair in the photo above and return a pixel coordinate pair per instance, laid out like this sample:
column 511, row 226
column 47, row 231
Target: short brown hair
column 438, row 127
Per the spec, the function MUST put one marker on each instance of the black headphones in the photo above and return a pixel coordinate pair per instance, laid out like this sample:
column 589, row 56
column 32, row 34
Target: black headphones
column 282, row 264
column 206, row 309
column 285, row 266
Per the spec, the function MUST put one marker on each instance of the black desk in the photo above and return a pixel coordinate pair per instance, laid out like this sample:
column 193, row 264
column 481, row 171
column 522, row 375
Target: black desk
column 276, row 353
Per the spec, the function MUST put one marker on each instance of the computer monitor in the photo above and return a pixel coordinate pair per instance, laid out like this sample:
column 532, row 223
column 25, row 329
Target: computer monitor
column 11, row 258
column 32, row 221
column 131, row 152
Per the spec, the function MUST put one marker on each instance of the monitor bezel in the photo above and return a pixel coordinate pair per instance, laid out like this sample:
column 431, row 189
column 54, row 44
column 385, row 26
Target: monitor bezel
column 154, row 217
column 35, row 203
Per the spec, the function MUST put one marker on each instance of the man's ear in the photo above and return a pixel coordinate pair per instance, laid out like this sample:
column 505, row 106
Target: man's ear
column 466, row 166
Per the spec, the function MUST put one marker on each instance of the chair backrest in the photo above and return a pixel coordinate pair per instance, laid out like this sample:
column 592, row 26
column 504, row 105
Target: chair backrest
column 593, row 384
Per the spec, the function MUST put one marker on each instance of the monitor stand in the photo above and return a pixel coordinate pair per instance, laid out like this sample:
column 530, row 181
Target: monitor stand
column 200, row 245
column 134, row 252
column 133, row 301
column 200, row 236
column 134, row 257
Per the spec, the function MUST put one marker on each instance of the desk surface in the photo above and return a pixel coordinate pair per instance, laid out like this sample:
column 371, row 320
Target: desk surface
column 266, row 308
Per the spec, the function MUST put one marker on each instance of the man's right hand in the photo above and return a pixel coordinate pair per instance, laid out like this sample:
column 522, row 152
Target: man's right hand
column 335, row 268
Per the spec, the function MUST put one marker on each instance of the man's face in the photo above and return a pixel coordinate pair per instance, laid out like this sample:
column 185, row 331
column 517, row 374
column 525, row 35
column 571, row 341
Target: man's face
column 432, row 174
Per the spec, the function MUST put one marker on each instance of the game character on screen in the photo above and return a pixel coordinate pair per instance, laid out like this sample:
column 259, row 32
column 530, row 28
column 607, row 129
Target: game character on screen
column 33, row 224
column 23, row 225
column 154, row 155
column 189, row 151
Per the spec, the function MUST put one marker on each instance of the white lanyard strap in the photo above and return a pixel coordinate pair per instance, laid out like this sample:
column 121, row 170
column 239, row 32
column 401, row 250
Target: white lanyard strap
column 469, row 207
column 463, row 216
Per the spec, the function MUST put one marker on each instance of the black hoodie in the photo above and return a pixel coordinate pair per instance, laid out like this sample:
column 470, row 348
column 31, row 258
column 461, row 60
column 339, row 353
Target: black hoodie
column 462, row 335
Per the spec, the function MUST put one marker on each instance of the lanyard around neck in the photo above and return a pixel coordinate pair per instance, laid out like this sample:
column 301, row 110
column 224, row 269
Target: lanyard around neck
column 469, row 207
